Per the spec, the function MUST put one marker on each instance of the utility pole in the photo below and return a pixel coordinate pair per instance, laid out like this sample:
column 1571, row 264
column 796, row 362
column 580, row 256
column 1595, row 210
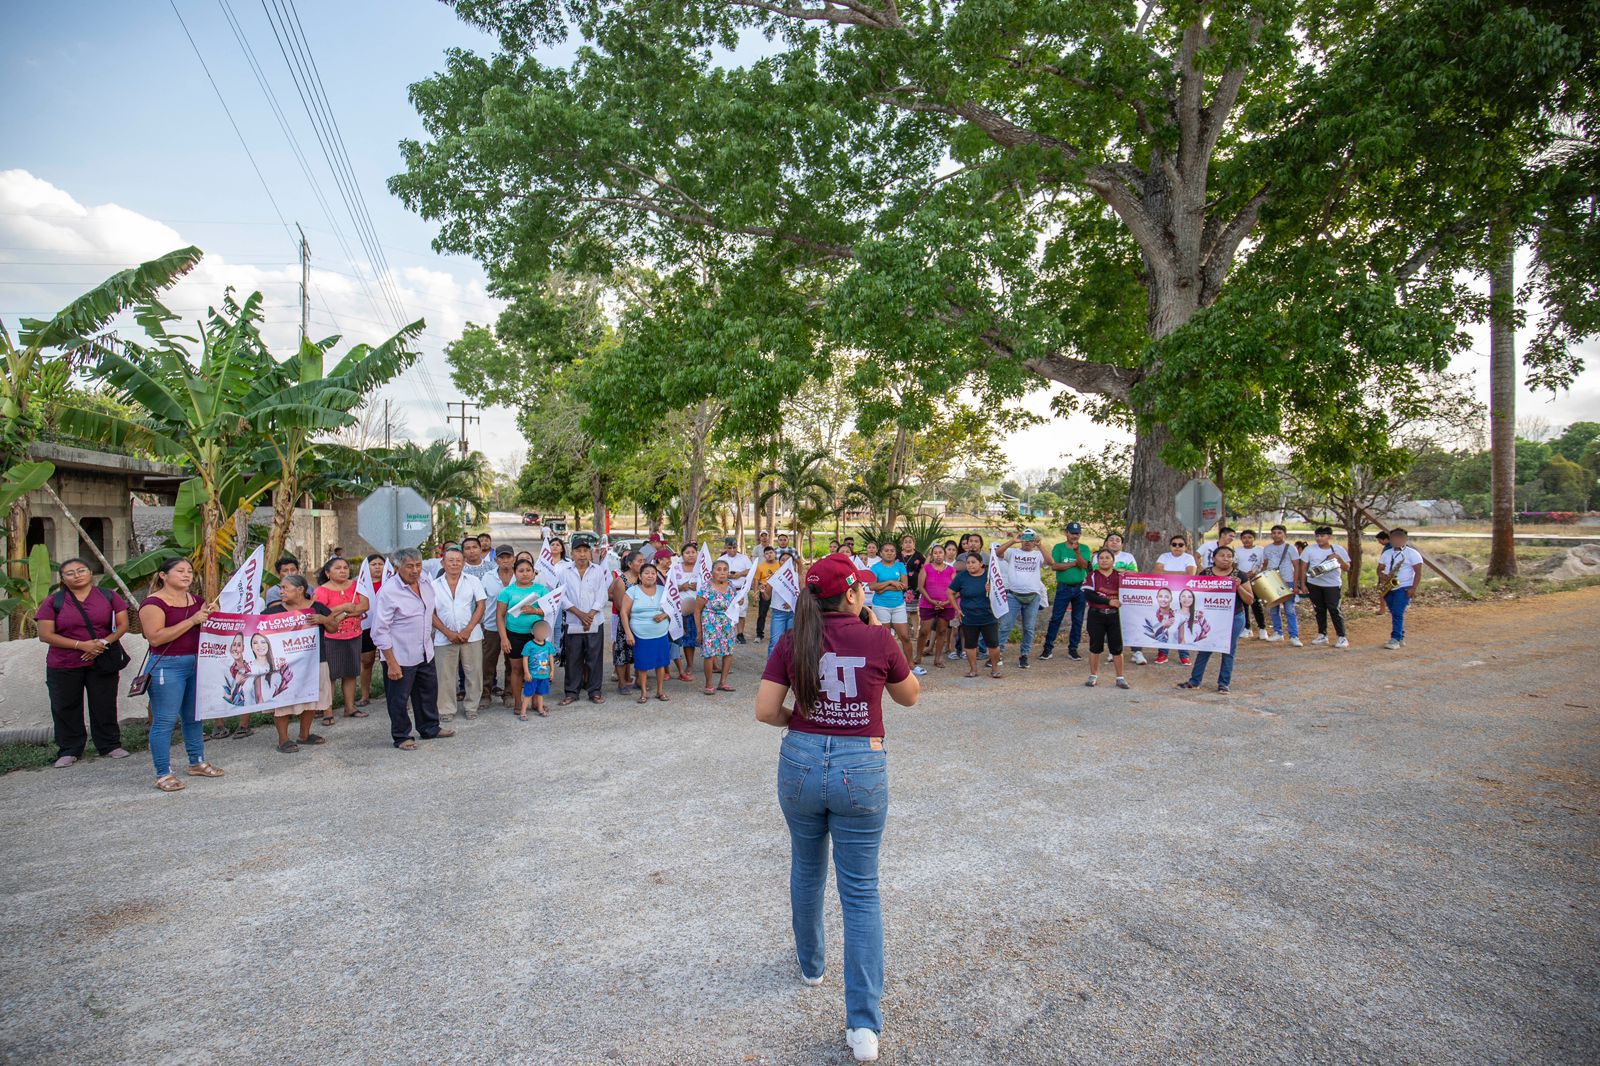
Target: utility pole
column 386, row 425
column 305, row 286
column 463, row 418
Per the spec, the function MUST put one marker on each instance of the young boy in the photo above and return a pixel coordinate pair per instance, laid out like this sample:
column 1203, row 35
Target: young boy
column 540, row 654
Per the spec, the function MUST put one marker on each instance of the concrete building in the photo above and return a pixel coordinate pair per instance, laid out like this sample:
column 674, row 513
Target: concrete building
column 98, row 488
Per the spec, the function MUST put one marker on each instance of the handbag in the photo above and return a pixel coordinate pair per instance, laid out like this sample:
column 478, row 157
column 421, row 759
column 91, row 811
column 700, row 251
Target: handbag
column 110, row 662
column 141, row 681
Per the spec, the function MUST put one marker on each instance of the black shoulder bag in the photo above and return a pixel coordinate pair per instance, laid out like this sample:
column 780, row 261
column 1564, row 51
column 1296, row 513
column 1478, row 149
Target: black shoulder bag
column 110, row 662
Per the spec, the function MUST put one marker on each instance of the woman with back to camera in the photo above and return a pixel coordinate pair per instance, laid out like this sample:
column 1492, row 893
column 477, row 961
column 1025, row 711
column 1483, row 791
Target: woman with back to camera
column 833, row 775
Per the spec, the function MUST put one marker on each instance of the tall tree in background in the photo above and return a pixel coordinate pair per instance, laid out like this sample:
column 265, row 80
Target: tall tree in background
column 998, row 193
column 1503, row 416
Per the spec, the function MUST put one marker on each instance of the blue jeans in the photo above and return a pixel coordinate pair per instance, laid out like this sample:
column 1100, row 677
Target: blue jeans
column 1066, row 595
column 1397, row 601
column 1029, row 613
column 1289, row 617
column 172, row 701
column 838, row 786
column 781, row 622
column 1225, row 674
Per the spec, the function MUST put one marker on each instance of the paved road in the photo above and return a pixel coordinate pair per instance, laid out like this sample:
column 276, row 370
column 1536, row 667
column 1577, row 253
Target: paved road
column 1359, row 857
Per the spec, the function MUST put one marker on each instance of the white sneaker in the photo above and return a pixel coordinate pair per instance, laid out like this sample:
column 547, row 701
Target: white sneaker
column 1391, row 644
column 1091, row 682
column 812, row 981
column 1273, row 638
column 1294, row 642
column 954, row 656
column 863, row 1043
column 1139, row 659
column 1122, row 682
column 1320, row 638
column 1343, row 643
column 1246, row 635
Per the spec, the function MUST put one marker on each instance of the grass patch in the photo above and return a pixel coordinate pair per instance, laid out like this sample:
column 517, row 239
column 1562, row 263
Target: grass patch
column 135, row 738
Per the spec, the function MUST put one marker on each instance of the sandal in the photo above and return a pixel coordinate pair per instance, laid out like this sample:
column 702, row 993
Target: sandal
column 205, row 769
column 996, row 673
column 970, row 673
column 169, row 783
column 327, row 719
column 220, row 733
column 240, row 734
column 710, row 691
column 362, row 702
column 726, row 688
column 597, row 698
column 407, row 745
column 566, row 700
column 663, row 697
column 542, row 714
column 1187, row 684
column 288, row 747
column 522, row 717
column 643, row 699
column 313, row 739
column 357, row 714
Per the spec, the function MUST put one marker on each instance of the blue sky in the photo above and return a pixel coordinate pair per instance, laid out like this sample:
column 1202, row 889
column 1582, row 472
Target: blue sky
column 116, row 149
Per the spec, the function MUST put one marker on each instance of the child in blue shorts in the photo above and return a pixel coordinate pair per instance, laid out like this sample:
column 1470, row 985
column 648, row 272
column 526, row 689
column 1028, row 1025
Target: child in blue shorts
column 540, row 654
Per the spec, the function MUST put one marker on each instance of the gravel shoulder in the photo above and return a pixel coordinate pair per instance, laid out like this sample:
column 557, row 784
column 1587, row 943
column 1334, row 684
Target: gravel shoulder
column 1359, row 856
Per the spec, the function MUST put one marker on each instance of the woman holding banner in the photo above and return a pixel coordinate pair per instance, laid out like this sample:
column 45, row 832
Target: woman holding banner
column 1222, row 566
column 645, row 624
column 341, row 644
column 516, row 609
column 296, row 596
column 970, row 592
column 833, row 776
column 714, row 615
column 170, row 618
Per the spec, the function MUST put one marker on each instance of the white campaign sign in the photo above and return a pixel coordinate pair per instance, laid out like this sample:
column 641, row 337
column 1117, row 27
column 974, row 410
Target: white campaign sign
column 785, row 586
column 242, row 593
column 256, row 662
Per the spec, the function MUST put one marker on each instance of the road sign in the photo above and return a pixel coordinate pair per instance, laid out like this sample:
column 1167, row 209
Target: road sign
column 1199, row 505
column 394, row 517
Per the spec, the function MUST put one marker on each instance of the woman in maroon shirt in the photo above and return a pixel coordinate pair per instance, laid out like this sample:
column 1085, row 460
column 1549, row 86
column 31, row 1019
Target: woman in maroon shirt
column 82, row 624
column 170, row 619
column 833, row 774
column 1103, row 591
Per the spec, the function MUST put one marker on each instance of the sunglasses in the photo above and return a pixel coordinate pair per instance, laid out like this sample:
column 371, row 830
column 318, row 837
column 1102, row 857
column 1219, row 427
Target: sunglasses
column 1177, row 544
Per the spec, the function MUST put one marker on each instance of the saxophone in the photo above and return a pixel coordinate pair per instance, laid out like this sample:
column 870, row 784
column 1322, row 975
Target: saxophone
column 1386, row 579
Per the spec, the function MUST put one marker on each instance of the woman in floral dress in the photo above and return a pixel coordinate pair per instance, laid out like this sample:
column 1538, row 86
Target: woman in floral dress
column 716, row 628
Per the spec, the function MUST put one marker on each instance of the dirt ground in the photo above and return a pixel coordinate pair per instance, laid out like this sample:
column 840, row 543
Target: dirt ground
column 1360, row 856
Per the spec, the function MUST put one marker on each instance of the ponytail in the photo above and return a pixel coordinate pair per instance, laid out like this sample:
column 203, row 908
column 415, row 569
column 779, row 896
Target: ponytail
column 805, row 649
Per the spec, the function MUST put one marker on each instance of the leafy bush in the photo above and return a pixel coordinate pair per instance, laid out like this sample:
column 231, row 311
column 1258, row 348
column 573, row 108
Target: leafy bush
column 925, row 529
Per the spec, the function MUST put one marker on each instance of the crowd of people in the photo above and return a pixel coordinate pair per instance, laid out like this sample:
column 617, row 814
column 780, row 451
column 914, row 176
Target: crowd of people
column 472, row 627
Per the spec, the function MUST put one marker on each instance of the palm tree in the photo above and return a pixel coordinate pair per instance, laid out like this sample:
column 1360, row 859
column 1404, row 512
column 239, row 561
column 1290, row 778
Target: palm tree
column 875, row 490
column 294, row 403
column 440, row 475
column 798, row 482
column 34, row 386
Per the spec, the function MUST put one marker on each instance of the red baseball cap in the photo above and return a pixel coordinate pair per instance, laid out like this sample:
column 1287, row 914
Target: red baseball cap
column 832, row 575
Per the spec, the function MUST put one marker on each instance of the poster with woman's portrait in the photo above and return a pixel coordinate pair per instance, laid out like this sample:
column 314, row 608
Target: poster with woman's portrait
column 255, row 662
column 1179, row 612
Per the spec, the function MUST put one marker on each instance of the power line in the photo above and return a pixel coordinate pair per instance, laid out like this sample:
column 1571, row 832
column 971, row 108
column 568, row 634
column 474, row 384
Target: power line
column 237, row 132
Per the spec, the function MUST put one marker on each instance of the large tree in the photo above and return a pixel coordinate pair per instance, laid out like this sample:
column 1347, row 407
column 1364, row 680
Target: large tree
column 997, row 192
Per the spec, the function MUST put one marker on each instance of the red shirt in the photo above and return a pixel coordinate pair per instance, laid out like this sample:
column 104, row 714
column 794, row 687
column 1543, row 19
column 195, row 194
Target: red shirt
column 1101, row 587
column 187, row 642
column 858, row 660
column 101, row 606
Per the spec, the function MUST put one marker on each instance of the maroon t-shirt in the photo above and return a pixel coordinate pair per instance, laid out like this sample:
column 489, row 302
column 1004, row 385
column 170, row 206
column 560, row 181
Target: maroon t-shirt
column 186, row 643
column 102, row 607
column 858, row 660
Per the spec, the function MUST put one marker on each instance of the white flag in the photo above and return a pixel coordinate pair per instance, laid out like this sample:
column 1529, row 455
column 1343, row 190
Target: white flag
column 999, row 599
column 741, row 595
column 545, row 565
column 785, row 586
column 550, row 604
column 702, row 572
column 364, row 588
column 526, row 604
column 672, row 603
column 242, row 593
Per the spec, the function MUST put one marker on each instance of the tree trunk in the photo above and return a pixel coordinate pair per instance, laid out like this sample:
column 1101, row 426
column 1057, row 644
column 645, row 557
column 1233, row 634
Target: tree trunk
column 210, row 565
column 1502, row 416
column 697, row 476
column 755, row 505
column 17, row 557
column 897, row 464
column 1152, row 496
column 1352, row 544
column 282, row 517
column 597, row 492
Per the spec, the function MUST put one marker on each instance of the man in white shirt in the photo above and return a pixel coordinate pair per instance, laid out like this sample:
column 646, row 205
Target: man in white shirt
column 739, row 565
column 1025, row 565
column 1176, row 560
column 1284, row 557
column 1224, row 539
column 458, row 606
column 1247, row 562
column 1402, row 564
column 1325, row 589
column 586, row 596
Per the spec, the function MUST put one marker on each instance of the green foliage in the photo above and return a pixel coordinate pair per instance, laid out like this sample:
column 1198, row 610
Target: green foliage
column 26, row 594
column 1575, row 439
column 925, row 528
column 1093, row 489
column 21, row 479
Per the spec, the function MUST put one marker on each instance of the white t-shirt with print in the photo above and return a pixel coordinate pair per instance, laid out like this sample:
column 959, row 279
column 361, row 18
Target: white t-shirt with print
column 1281, row 557
column 1125, row 561
column 1314, row 555
column 1399, row 563
column 1026, row 570
column 1247, row 560
column 1171, row 563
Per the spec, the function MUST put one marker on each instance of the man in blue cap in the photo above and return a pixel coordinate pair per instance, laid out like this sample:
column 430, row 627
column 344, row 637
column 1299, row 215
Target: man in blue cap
column 1072, row 562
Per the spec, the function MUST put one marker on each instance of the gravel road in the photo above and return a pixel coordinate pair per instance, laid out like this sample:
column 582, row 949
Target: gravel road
column 1360, row 856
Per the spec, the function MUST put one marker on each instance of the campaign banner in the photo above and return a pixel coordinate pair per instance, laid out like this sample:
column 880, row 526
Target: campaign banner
column 242, row 593
column 672, row 603
column 785, row 586
column 999, row 596
column 255, row 662
column 1177, row 611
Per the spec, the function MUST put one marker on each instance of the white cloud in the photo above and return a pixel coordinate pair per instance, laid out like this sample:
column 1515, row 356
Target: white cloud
column 53, row 248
